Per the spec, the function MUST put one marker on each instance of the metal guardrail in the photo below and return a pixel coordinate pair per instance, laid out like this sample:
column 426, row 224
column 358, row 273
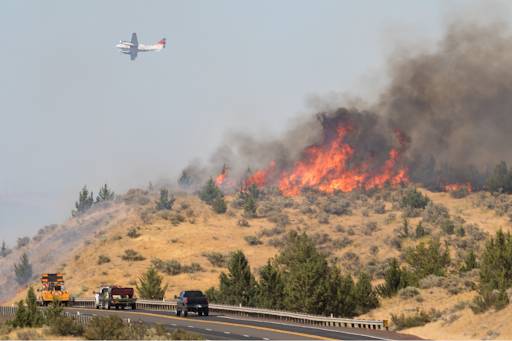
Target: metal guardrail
column 80, row 318
column 285, row 316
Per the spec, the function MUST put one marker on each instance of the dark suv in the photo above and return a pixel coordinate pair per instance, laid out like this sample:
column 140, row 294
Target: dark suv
column 194, row 301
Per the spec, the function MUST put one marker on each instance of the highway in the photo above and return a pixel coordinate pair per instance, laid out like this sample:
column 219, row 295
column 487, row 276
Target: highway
column 223, row 327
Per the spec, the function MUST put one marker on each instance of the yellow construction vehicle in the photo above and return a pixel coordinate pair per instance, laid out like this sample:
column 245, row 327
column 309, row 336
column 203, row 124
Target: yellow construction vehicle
column 53, row 289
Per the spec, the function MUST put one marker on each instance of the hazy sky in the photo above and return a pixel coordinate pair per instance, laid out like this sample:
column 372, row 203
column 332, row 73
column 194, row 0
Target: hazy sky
column 75, row 111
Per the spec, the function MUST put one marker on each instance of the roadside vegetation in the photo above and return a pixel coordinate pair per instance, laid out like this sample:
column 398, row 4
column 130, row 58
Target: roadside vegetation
column 55, row 324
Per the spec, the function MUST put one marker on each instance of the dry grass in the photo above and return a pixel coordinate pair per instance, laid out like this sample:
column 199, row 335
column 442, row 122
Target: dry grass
column 208, row 232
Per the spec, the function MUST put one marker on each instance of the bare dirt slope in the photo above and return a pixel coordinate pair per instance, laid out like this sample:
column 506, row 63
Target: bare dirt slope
column 359, row 239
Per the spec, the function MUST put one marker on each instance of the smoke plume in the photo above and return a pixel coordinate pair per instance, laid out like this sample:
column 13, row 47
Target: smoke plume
column 446, row 115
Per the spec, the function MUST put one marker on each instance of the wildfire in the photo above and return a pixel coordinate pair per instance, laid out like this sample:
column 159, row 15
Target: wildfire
column 458, row 186
column 261, row 177
column 326, row 167
column 219, row 180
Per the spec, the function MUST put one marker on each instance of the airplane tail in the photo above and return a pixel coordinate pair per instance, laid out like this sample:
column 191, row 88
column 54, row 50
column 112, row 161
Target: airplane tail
column 162, row 42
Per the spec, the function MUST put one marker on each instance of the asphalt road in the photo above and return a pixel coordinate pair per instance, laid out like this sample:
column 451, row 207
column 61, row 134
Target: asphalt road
column 222, row 327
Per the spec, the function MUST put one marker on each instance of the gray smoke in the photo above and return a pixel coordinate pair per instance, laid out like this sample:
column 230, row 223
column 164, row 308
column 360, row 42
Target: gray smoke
column 454, row 105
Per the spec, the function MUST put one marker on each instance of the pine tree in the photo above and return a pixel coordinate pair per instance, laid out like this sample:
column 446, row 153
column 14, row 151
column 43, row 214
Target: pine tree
column 305, row 274
column 85, row 201
column 238, row 286
column 23, row 270
column 150, row 285
column 270, row 287
column 365, row 296
column 165, row 203
column 105, row 194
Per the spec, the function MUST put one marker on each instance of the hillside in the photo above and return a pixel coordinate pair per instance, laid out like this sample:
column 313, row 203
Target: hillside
column 359, row 232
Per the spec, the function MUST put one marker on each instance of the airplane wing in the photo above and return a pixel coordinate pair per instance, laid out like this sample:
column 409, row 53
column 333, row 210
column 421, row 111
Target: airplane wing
column 135, row 41
column 133, row 53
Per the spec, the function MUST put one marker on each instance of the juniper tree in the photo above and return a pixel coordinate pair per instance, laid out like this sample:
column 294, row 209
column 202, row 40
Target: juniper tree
column 470, row 262
column 365, row 296
column 250, row 207
column 219, row 205
column 270, row 287
column 305, row 274
column 238, row 286
column 340, row 294
column 428, row 260
column 27, row 314
column 495, row 264
column 209, row 192
column 23, row 270
column 85, row 201
column 150, row 285
column 4, row 251
column 165, row 202
column 105, row 194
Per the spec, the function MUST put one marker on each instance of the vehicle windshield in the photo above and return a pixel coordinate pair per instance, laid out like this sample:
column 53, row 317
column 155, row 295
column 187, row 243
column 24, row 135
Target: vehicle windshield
column 193, row 294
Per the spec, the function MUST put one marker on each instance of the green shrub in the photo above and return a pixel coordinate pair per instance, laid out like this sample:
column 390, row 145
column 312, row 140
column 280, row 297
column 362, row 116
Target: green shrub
column 132, row 256
column 448, row 227
column 420, row 318
column 219, row 205
column 216, row 258
column 501, row 179
column 150, row 285
column 252, row 240
column 133, row 232
column 470, row 262
column 395, row 278
column 489, row 298
column 27, row 314
column 337, row 206
column 428, row 260
column 408, row 292
column 102, row 259
column 105, row 328
column 210, row 192
column 65, row 326
column 173, row 267
column 23, row 270
column 412, row 198
column 435, row 213
column 165, row 202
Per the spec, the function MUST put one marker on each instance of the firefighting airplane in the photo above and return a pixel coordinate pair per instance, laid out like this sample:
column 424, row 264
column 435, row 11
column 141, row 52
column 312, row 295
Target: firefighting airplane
column 133, row 47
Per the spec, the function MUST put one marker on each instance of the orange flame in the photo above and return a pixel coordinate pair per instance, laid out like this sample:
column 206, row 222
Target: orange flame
column 458, row 186
column 261, row 177
column 219, row 180
column 326, row 168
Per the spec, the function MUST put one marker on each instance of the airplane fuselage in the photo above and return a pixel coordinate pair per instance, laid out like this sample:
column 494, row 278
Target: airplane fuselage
column 133, row 47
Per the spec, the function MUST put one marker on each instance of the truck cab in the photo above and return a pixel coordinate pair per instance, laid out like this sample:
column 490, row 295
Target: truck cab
column 114, row 296
column 52, row 288
column 192, row 301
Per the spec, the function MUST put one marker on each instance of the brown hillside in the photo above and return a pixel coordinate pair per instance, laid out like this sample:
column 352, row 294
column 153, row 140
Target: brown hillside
column 362, row 239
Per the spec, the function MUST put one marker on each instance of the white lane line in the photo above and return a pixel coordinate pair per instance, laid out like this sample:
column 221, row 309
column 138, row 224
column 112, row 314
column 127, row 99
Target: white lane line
column 190, row 326
column 265, row 338
column 174, row 324
column 245, row 335
column 208, row 329
column 227, row 332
